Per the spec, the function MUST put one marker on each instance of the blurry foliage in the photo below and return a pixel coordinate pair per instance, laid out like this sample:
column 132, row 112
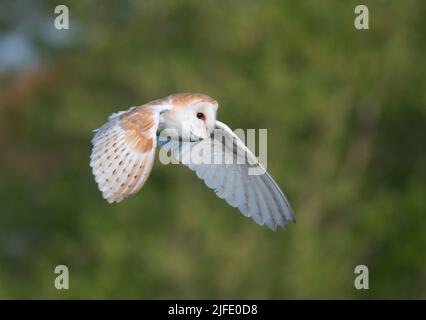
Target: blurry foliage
column 346, row 117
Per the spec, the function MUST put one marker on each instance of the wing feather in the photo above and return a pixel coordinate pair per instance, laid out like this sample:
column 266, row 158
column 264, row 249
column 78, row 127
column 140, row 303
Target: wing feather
column 241, row 195
column 253, row 202
column 256, row 196
column 124, row 150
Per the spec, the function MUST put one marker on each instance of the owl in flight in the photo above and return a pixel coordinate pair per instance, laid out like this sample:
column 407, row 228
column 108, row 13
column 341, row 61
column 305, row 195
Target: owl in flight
column 124, row 150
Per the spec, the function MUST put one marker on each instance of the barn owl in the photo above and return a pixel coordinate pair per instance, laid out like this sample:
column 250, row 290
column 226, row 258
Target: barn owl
column 124, row 150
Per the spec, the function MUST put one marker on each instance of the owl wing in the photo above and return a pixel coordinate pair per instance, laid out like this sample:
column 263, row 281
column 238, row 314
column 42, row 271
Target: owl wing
column 124, row 150
column 229, row 168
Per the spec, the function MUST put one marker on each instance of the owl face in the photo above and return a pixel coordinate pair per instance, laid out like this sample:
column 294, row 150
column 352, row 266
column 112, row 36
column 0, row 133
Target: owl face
column 193, row 121
column 201, row 118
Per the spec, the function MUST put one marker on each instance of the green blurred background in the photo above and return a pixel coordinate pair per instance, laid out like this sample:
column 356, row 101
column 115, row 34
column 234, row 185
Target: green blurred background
column 346, row 117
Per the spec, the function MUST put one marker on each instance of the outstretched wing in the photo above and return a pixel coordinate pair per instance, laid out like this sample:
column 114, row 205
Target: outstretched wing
column 227, row 166
column 124, row 150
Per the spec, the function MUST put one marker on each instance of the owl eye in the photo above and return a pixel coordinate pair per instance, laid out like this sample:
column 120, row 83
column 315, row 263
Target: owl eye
column 201, row 116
